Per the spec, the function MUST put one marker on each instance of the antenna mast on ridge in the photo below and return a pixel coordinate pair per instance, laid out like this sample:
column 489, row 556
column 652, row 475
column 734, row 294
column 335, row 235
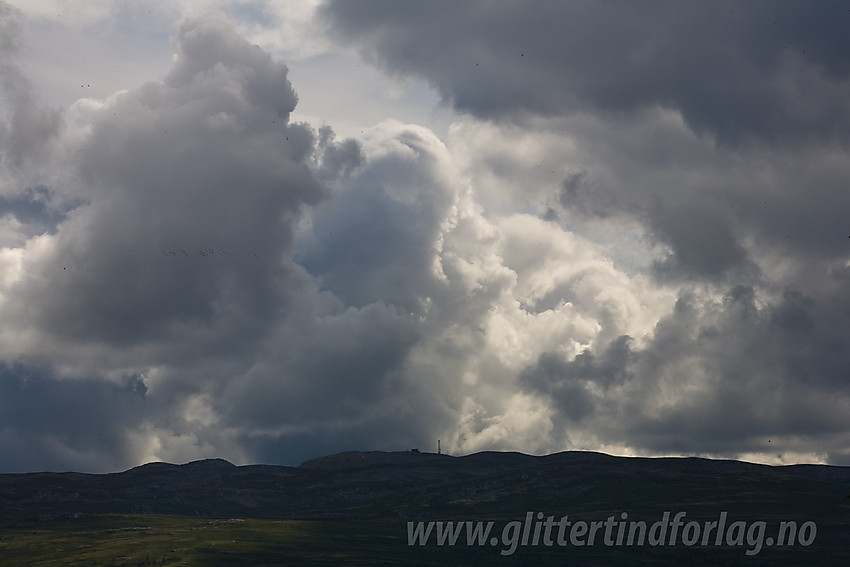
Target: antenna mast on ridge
column 438, row 447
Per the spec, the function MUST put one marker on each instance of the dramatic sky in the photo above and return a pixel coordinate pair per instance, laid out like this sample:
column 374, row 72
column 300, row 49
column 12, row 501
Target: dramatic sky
column 268, row 230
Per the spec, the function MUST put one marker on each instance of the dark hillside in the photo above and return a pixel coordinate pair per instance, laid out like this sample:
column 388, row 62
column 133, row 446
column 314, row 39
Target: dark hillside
column 375, row 494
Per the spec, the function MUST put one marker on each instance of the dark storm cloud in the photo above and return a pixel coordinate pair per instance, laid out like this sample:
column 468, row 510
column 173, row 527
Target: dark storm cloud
column 243, row 286
column 338, row 375
column 177, row 275
column 717, row 213
column 47, row 422
column 714, row 378
column 704, row 245
column 737, row 71
column 195, row 185
column 762, row 85
column 566, row 382
column 700, row 231
column 182, row 271
column 292, row 385
column 333, row 382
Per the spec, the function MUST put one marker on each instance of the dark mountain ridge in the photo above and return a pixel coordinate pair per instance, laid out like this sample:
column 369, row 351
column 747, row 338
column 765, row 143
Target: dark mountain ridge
column 411, row 484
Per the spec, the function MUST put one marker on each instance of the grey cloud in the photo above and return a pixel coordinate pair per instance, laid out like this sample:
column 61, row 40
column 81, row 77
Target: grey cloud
column 243, row 286
column 338, row 372
column 714, row 379
column 375, row 240
column 840, row 458
column 211, row 53
column 761, row 86
column 49, row 423
column 328, row 384
column 35, row 208
column 570, row 384
column 717, row 214
column 580, row 193
column 181, row 270
column 195, row 185
column 30, row 126
column 355, row 355
column 703, row 241
column 177, row 273
column 336, row 161
column 755, row 71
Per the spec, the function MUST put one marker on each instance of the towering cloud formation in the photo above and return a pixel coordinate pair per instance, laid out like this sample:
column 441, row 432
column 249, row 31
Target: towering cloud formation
column 183, row 252
column 631, row 239
column 717, row 135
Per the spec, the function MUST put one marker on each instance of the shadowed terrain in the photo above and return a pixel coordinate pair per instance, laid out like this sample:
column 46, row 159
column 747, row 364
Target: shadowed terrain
column 354, row 507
